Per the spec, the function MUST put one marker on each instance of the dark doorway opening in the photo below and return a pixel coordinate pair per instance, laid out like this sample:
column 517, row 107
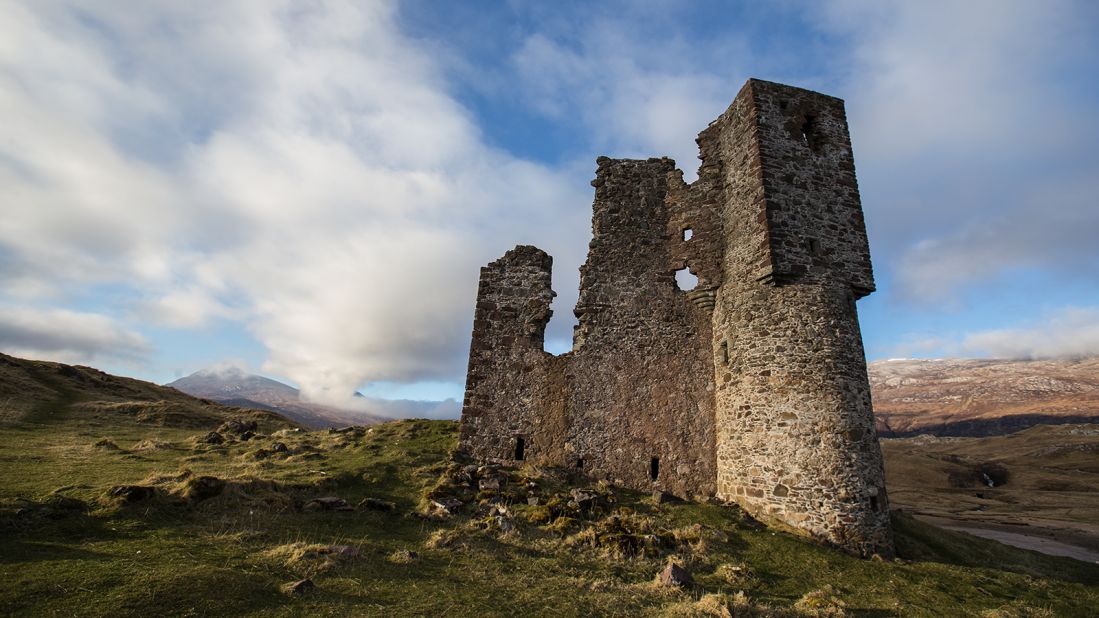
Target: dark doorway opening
column 654, row 468
column 580, row 463
column 520, row 449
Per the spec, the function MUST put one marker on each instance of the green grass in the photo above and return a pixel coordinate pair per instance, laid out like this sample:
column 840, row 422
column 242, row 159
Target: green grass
column 228, row 554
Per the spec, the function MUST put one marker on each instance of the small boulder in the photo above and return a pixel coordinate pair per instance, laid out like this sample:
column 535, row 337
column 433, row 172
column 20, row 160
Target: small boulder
column 279, row 447
column 663, row 497
column 302, row 586
column 327, row 503
column 675, row 575
column 213, row 438
column 489, row 484
column 587, row 499
column 247, row 435
column 376, row 504
column 448, row 506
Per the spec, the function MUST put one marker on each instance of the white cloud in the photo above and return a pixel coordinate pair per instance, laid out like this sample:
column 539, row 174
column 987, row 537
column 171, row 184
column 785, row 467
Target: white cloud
column 298, row 167
column 973, row 138
column 639, row 97
column 1072, row 332
column 67, row 336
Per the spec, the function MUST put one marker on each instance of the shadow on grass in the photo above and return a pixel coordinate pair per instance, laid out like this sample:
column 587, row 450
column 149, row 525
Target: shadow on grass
column 14, row 551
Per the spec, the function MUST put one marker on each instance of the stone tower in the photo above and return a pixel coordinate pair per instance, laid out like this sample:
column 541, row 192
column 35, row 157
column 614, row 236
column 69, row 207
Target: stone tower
column 751, row 386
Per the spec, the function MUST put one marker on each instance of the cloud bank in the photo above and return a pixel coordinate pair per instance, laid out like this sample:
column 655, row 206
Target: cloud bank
column 299, row 168
column 68, row 336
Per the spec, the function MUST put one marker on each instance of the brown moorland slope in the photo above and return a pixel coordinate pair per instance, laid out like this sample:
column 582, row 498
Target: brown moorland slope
column 972, row 397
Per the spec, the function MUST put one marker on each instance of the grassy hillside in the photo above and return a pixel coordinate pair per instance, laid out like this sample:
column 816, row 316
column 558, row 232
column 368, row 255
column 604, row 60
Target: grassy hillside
column 106, row 514
column 39, row 392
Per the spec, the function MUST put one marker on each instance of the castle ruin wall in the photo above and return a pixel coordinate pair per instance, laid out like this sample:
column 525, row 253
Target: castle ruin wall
column 752, row 386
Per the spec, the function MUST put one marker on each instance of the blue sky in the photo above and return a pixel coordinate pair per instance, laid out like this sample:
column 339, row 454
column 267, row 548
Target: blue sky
column 307, row 189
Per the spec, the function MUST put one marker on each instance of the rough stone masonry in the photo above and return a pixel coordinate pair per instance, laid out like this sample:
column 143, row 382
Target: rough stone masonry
column 751, row 386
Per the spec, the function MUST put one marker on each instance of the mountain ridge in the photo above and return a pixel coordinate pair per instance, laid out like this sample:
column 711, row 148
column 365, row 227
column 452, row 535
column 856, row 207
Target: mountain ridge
column 234, row 386
column 981, row 397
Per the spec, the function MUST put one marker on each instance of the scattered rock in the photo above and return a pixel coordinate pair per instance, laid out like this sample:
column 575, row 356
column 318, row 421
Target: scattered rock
column 132, row 493
column 352, row 430
column 661, row 497
column 302, row 586
column 280, row 447
column 489, row 484
column 246, row 436
column 327, row 503
column 449, row 506
column 213, row 438
column 675, row 575
column 376, row 504
column 587, row 499
column 534, row 501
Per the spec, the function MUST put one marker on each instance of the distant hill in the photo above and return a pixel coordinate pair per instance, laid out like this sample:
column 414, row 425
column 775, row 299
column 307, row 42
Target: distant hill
column 41, row 391
column 951, row 397
column 234, row 386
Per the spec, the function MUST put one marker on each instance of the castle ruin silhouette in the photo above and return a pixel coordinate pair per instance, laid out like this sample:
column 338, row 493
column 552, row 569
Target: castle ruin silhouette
column 752, row 386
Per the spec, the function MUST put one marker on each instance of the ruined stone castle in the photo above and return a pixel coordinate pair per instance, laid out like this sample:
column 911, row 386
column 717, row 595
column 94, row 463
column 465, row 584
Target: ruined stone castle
column 751, row 386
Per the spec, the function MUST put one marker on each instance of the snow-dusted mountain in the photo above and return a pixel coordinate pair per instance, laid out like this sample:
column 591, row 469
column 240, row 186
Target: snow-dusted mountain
column 978, row 397
column 236, row 387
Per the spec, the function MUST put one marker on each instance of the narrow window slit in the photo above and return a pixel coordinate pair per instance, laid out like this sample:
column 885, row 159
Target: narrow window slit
column 725, row 352
column 654, row 468
column 520, row 449
column 688, row 233
column 814, row 246
column 579, row 463
column 874, row 503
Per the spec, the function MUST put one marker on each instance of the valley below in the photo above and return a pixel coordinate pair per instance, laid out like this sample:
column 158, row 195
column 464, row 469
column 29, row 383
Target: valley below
column 1037, row 488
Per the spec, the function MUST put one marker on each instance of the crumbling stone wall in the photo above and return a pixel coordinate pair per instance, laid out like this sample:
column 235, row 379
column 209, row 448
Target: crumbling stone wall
column 640, row 396
column 512, row 385
column 751, row 386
